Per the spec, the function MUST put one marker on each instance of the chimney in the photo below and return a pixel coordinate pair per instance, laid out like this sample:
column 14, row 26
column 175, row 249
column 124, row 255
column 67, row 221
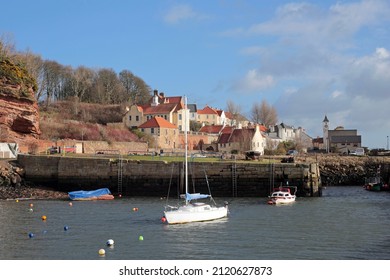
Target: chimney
column 155, row 99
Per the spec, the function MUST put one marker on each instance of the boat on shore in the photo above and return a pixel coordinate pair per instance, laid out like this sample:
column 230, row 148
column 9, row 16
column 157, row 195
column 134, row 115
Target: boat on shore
column 99, row 194
column 375, row 184
column 282, row 195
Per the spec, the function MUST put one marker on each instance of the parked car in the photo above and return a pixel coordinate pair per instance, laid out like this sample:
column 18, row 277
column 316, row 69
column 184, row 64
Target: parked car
column 357, row 152
column 53, row 150
column 252, row 155
column 292, row 153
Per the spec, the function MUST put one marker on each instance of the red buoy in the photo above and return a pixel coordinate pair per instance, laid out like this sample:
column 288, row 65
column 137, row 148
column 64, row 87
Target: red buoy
column 163, row 219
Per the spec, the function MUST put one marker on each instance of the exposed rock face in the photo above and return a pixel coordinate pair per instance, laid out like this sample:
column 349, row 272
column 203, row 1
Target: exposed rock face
column 19, row 115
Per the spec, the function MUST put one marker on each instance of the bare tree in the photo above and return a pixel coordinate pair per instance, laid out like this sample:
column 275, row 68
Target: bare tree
column 54, row 77
column 235, row 110
column 7, row 46
column 34, row 65
column 81, row 80
column 106, row 87
column 136, row 91
column 264, row 113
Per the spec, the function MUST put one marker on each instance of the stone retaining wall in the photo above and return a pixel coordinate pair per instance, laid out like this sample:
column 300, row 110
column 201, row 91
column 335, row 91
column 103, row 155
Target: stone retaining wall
column 154, row 178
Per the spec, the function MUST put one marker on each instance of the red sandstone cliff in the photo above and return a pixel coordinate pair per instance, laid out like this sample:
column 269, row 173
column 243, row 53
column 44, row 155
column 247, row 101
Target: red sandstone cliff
column 19, row 114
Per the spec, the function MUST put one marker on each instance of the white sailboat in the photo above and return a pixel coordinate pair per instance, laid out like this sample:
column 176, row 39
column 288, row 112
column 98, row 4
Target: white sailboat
column 191, row 210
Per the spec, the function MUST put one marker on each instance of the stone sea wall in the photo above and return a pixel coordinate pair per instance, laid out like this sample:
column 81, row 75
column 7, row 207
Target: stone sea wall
column 53, row 176
column 154, row 178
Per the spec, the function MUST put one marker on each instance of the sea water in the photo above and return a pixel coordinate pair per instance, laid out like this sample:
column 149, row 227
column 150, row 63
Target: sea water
column 346, row 223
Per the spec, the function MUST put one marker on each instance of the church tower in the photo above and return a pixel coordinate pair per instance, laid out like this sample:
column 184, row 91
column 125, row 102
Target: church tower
column 325, row 129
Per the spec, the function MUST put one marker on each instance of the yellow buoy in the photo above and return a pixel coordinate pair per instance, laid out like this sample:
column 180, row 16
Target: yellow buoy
column 141, row 238
column 43, row 218
column 102, row 252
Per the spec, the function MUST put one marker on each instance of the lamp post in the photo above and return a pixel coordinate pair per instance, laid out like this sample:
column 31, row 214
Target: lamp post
column 387, row 147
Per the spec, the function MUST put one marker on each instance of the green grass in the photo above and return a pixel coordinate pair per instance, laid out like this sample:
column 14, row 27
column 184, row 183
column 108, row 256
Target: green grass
column 168, row 159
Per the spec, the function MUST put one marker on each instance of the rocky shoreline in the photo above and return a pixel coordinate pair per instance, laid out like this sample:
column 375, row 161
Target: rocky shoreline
column 13, row 185
column 339, row 170
column 335, row 170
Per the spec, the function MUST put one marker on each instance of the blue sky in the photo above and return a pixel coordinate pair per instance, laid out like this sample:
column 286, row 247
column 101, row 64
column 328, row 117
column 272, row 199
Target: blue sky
column 307, row 58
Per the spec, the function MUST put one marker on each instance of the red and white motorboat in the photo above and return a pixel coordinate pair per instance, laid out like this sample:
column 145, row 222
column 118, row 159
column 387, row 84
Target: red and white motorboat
column 282, row 195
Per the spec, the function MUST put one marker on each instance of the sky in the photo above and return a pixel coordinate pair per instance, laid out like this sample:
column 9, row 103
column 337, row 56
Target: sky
column 308, row 59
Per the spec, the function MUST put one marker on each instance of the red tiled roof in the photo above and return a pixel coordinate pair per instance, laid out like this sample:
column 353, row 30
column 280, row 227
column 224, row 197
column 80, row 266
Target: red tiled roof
column 164, row 108
column 224, row 138
column 214, row 129
column 219, row 112
column 236, row 135
column 227, row 129
column 229, row 115
column 157, row 122
column 207, row 111
column 239, row 134
column 262, row 128
column 167, row 99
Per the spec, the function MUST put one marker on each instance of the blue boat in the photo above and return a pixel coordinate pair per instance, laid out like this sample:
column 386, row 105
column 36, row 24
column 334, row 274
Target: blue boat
column 99, row 194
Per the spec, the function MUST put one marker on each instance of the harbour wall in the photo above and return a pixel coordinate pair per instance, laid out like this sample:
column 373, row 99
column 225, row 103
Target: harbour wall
column 159, row 178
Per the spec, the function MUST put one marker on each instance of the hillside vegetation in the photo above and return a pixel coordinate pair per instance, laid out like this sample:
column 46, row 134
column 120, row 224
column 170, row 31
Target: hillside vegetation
column 83, row 121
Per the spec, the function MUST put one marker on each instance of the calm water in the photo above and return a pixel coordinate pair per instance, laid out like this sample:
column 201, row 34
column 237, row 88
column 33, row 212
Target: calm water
column 346, row 223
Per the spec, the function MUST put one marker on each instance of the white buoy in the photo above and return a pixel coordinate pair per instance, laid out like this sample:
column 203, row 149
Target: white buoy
column 110, row 242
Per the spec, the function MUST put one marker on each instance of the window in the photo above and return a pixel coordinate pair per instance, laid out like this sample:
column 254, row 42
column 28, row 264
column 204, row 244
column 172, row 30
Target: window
column 152, row 130
column 130, row 118
column 179, row 117
column 136, row 118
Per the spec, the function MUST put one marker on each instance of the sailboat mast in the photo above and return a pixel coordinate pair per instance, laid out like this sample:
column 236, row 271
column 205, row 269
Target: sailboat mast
column 185, row 145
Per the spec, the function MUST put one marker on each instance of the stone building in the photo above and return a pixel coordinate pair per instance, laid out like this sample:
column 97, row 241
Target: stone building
column 340, row 140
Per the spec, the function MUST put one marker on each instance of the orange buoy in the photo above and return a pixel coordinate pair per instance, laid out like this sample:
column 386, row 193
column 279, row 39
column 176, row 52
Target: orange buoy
column 43, row 218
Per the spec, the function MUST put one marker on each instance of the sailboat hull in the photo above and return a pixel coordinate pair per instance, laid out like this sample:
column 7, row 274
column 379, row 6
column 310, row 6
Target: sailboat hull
column 195, row 213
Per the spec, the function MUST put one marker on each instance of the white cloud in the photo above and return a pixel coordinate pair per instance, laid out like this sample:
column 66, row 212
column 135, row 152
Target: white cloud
column 369, row 75
column 304, row 23
column 181, row 13
column 325, row 61
column 336, row 94
column 254, row 81
column 382, row 53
